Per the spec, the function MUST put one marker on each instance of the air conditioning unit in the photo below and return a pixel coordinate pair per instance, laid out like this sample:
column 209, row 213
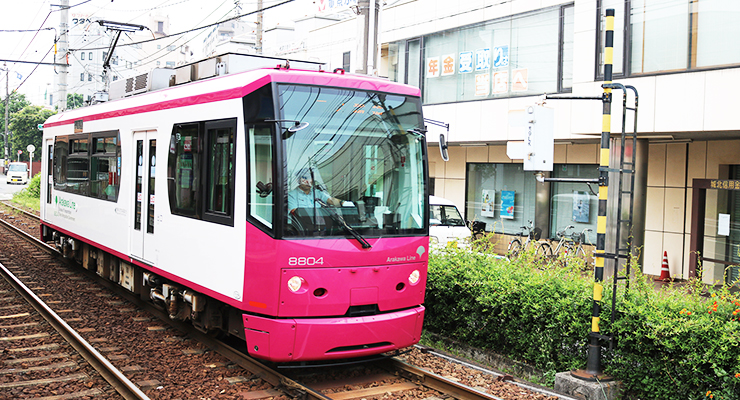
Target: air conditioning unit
column 157, row 78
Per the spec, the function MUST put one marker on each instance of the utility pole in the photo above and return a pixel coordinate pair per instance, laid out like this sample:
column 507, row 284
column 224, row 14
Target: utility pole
column 7, row 107
column 367, row 36
column 260, row 21
column 60, row 56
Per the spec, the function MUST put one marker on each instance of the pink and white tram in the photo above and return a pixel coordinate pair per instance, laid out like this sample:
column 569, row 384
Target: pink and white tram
column 181, row 195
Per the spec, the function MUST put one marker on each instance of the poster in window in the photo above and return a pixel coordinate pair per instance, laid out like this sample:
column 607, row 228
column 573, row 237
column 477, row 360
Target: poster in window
column 488, row 197
column 580, row 206
column 507, row 204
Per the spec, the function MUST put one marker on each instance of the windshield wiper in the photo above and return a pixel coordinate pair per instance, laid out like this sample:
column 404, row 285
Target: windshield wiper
column 338, row 217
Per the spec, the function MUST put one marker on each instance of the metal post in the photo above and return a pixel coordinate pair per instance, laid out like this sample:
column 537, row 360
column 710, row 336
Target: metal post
column 593, row 366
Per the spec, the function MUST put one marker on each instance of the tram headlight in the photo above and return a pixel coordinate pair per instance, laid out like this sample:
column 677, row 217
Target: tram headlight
column 414, row 277
column 295, row 283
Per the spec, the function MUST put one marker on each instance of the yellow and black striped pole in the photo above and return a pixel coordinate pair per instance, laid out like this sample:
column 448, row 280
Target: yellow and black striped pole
column 593, row 366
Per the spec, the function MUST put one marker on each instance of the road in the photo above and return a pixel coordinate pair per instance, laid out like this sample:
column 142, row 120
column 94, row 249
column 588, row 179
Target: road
column 7, row 191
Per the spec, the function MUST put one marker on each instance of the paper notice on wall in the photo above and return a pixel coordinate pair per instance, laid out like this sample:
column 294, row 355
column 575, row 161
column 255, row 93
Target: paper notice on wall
column 723, row 224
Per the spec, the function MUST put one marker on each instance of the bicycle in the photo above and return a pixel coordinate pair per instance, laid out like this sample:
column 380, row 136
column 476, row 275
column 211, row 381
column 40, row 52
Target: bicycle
column 516, row 246
column 567, row 245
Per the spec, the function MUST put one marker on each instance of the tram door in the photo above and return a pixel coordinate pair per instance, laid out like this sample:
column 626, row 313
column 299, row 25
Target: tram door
column 143, row 245
column 46, row 168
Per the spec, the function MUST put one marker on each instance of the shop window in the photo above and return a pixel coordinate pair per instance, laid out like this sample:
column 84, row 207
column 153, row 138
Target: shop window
column 574, row 203
column 501, row 195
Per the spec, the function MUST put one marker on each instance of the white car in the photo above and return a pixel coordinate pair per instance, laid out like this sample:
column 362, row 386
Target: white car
column 446, row 226
column 17, row 173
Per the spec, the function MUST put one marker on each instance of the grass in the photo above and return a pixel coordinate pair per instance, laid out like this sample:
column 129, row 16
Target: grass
column 29, row 196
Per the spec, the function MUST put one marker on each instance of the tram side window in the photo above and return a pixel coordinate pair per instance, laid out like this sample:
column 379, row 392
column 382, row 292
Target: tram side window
column 200, row 170
column 78, row 176
column 220, row 160
column 88, row 164
column 261, row 201
column 184, row 170
column 61, row 153
column 105, row 169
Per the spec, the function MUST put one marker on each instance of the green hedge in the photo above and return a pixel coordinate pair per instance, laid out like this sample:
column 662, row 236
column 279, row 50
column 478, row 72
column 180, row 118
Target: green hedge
column 669, row 345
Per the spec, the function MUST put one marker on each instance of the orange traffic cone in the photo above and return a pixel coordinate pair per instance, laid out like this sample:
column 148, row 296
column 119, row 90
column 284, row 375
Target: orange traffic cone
column 665, row 274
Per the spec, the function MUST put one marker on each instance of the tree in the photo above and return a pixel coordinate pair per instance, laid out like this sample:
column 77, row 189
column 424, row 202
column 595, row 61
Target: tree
column 24, row 130
column 75, row 100
column 17, row 102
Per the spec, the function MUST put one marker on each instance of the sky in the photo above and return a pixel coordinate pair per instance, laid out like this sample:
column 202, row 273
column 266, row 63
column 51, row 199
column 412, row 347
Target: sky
column 35, row 81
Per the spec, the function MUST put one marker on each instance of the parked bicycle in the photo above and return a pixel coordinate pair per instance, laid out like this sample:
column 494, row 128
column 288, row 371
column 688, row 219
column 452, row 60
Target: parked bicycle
column 480, row 238
column 516, row 246
column 569, row 245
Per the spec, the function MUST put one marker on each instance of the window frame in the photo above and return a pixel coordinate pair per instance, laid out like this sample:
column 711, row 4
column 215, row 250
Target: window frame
column 209, row 215
column 277, row 190
column 60, row 168
column 691, row 43
column 406, row 43
column 201, row 208
column 72, row 155
column 561, row 51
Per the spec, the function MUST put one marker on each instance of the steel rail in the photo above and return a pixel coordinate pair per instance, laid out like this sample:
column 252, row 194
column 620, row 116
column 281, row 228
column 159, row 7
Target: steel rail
column 439, row 383
column 276, row 379
column 28, row 214
column 110, row 373
column 289, row 386
column 269, row 375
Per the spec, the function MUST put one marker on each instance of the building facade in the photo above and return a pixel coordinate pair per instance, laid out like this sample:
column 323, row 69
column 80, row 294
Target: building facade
column 478, row 63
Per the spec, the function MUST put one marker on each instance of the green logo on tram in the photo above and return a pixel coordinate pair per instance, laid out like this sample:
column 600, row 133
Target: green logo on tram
column 64, row 203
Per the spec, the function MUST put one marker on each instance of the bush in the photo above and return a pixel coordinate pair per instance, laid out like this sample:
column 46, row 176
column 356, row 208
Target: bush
column 669, row 344
column 29, row 197
column 678, row 343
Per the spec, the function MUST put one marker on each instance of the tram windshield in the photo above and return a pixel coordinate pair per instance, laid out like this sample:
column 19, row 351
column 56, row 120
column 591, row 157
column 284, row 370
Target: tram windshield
column 354, row 163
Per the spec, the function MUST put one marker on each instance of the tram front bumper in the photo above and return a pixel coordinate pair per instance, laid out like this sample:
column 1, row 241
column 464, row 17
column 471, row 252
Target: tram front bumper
column 304, row 339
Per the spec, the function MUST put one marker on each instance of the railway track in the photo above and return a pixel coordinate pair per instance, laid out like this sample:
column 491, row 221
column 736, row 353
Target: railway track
column 245, row 377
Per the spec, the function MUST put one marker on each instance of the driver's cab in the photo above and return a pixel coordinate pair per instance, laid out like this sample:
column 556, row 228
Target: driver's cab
column 446, row 226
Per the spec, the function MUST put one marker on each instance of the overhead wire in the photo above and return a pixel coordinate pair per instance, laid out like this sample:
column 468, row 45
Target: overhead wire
column 180, row 37
column 196, row 29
